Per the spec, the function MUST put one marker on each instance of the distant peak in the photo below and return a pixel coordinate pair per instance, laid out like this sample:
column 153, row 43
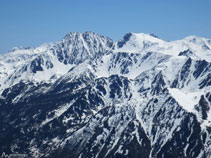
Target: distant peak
column 86, row 34
column 191, row 37
column 194, row 39
column 138, row 38
column 81, row 33
column 71, row 34
column 146, row 36
column 90, row 33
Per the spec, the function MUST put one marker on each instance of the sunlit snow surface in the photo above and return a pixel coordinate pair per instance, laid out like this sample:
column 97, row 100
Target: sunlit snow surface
column 144, row 42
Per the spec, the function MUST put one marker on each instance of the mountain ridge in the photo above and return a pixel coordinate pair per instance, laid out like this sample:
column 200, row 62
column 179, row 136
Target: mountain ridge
column 88, row 96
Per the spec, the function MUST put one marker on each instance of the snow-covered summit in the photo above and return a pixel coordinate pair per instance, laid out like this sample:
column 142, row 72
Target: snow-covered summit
column 75, row 48
column 140, row 42
column 50, row 60
column 137, row 42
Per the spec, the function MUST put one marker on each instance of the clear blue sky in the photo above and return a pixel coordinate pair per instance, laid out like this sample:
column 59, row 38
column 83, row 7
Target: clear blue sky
column 33, row 22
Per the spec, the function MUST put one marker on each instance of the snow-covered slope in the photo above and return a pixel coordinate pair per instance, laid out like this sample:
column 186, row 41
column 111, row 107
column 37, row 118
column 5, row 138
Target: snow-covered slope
column 50, row 61
column 87, row 96
column 192, row 46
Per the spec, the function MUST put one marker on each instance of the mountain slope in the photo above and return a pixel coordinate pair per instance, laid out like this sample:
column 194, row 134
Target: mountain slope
column 87, row 96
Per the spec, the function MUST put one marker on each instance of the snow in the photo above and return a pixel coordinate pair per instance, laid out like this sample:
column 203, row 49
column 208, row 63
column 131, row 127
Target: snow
column 12, row 63
column 58, row 70
column 103, row 66
column 58, row 112
column 147, row 56
column 186, row 99
column 140, row 42
column 137, row 42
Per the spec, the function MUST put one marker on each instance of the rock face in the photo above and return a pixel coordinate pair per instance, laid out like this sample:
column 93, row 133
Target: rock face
column 89, row 97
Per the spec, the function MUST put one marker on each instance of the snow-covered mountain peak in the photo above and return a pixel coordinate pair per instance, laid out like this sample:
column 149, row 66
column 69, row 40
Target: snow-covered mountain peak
column 87, row 96
column 55, row 59
column 203, row 42
column 146, row 37
column 191, row 46
column 133, row 42
column 85, row 36
column 51, row 60
column 195, row 39
column 78, row 47
column 76, row 35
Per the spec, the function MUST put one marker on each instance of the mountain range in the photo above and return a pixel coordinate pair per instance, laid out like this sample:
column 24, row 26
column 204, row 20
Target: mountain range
column 87, row 96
